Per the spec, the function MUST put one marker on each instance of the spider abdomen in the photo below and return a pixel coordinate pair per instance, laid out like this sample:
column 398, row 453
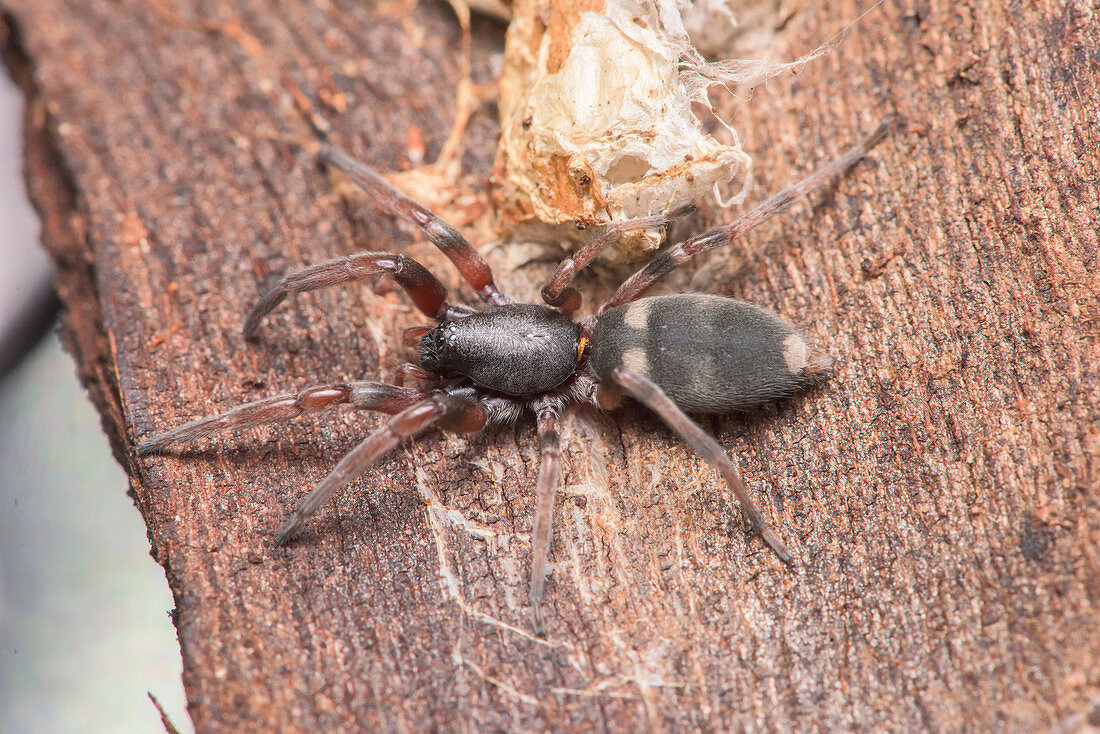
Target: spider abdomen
column 709, row 354
column 518, row 349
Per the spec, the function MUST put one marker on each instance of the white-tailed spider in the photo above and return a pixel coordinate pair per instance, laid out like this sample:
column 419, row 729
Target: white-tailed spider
column 676, row 354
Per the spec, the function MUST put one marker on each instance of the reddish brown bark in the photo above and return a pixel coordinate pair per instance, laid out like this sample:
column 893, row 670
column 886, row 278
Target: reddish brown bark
column 940, row 494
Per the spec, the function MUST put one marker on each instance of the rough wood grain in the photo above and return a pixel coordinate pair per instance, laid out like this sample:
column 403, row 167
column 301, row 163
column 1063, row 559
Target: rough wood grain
column 941, row 494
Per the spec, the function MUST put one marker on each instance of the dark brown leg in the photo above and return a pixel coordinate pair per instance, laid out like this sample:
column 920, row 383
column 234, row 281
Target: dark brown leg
column 469, row 263
column 549, row 431
column 555, row 292
column 363, row 395
column 677, row 255
column 652, row 397
column 451, row 412
column 426, row 291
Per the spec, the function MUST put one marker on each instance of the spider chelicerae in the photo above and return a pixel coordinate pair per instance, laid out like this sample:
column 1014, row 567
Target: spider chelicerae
column 675, row 354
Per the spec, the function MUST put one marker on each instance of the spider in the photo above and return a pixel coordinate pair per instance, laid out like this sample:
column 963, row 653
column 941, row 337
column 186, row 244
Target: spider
column 675, row 354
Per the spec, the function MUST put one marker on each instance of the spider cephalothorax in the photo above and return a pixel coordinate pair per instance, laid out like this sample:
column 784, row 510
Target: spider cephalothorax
column 517, row 349
column 675, row 353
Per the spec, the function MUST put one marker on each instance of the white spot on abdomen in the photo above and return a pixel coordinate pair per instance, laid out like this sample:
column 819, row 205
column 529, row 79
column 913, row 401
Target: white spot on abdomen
column 637, row 315
column 796, row 353
column 635, row 360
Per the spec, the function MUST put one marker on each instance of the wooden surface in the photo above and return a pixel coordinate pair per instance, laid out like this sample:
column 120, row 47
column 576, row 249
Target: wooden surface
column 940, row 494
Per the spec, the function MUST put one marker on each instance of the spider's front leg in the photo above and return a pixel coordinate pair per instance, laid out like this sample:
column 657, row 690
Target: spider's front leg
column 448, row 411
column 469, row 263
column 362, row 395
column 429, row 295
column 414, row 411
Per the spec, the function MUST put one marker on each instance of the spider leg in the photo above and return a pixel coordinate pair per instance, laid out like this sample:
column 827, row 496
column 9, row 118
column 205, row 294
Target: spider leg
column 556, row 293
column 429, row 295
column 405, row 370
column 454, row 413
column 470, row 264
column 363, row 395
column 670, row 259
column 549, row 432
column 647, row 393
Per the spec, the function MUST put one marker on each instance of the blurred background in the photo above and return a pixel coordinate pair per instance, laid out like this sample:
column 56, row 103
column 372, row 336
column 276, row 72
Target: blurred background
column 84, row 625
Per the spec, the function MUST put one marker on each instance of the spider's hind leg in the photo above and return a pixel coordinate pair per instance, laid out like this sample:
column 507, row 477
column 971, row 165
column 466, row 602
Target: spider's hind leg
column 549, row 433
column 682, row 252
column 650, row 395
column 557, row 292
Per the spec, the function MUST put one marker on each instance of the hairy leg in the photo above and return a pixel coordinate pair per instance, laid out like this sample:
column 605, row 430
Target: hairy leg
column 466, row 259
column 679, row 254
column 450, row 412
column 556, row 291
column 429, row 295
column 405, row 370
column 549, row 432
column 652, row 397
column 363, row 395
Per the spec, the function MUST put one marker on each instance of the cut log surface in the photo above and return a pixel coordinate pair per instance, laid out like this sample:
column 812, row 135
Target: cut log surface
column 941, row 495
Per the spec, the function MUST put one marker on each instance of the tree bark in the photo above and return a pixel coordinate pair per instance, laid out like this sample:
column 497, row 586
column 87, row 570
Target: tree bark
column 940, row 494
